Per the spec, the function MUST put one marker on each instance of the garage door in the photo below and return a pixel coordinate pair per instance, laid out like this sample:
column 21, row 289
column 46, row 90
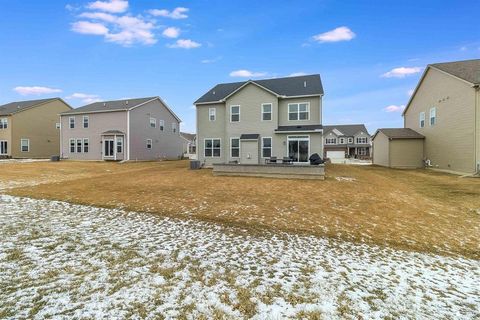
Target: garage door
column 336, row 154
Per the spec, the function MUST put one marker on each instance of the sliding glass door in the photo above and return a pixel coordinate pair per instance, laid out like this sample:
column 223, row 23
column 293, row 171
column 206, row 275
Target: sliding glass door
column 298, row 148
column 108, row 148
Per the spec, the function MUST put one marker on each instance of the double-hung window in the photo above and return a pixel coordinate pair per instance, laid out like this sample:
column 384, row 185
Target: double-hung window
column 298, row 111
column 342, row 140
column 86, row 145
column 119, row 144
column 72, row 145
column 161, row 124
column 71, row 121
column 235, row 147
column 79, row 145
column 422, row 120
column 25, row 145
column 266, row 112
column 212, row 147
column 361, row 140
column 174, row 127
column 234, row 113
column 433, row 116
column 4, row 123
column 85, row 122
column 149, row 144
column 266, row 147
column 331, row 141
column 153, row 123
column 350, row 140
column 212, row 114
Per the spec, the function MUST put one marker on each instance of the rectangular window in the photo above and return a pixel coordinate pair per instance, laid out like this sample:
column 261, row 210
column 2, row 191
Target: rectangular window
column 79, row 145
column 161, row 124
column 153, row 122
column 234, row 113
column 72, row 145
column 422, row 120
column 235, row 147
column 57, row 125
column 72, row 122
column 212, row 147
column 342, row 140
column 362, row 151
column 350, row 140
column 3, row 147
column 361, row 140
column 174, row 127
column 266, row 111
column 85, row 122
column 119, row 144
column 149, row 144
column 433, row 116
column 4, row 123
column 331, row 141
column 266, row 147
column 86, row 144
column 212, row 114
column 298, row 111
column 25, row 145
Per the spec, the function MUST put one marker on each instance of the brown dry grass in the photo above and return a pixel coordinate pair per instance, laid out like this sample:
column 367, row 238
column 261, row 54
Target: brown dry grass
column 416, row 209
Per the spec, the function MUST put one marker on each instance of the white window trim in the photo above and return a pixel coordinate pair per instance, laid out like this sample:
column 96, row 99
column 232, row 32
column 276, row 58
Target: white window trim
column 174, row 127
column 6, row 149
column 271, row 147
column 21, row 145
column 119, row 139
column 153, row 121
column 299, row 138
column 74, row 145
column 88, row 122
column 83, row 145
column 58, row 125
column 214, row 114
column 151, row 144
column 350, row 140
column 330, row 143
column 421, row 118
column 4, row 123
column 231, row 156
column 341, row 141
column 366, row 140
column 298, row 111
column 239, row 111
column 434, row 109
column 70, row 122
column 204, row 149
column 271, row 111
column 161, row 125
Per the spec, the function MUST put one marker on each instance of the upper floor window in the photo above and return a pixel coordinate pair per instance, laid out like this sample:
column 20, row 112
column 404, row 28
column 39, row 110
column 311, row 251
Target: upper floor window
column 266, row 111
column 24, row 145
column 422, row 120
column 331, row 141
column 161, row 124
column 153, row 123
column 174, row 127
column 350, row 140
column 342, row 140
column 85, row 121
column 71, row 121
column 234, row 113
column 298, row 111
column 212, row 114
column 361, row 140
column 266, row 147
column 212, row 148
column 4, row 123
column 235, row 147
column 433, row 116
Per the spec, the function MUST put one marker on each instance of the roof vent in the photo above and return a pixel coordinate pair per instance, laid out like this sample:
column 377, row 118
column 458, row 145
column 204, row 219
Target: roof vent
column 304, row 84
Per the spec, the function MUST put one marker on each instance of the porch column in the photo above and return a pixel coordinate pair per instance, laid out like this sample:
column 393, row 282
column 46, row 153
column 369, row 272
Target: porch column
column 115, row 147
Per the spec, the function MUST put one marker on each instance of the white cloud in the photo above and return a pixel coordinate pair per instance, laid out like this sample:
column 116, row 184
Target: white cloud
column 132, row 29
column 99, row 16
column 211, row 60
column 87, row 27
column 35, row 90
column 394, row 108
column 171, row 32
column 177, row 13
column 246, row 74
column 114, row 6
column 297, row 74
column 335, row 35
column 401, row 72
column 84, row 97
column 184, row 44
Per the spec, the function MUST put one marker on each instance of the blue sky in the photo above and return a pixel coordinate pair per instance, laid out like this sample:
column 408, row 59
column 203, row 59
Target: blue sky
column 370, row 54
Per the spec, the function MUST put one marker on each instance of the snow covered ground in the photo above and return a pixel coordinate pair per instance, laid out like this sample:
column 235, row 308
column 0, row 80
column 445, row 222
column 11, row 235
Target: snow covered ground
column 59, row 260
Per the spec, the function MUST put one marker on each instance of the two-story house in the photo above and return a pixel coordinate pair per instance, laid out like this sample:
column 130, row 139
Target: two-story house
column 131, row 129
column 248, row 122
column 31, row 129
column 346, row 141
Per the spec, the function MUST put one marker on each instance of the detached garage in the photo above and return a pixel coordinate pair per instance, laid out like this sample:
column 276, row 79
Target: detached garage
column 398, row 148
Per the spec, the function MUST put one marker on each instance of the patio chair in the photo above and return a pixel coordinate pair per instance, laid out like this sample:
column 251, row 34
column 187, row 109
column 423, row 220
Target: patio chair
column 272, row 160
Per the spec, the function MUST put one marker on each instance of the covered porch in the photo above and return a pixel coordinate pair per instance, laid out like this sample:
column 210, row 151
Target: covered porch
column 113, row 142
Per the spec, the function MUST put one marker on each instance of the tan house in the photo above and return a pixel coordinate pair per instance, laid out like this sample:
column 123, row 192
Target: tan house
column 31, row 129
column 445, row 109
column 253, row 121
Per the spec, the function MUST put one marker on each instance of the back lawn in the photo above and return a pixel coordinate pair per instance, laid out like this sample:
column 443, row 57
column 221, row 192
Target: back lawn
column 416, row 210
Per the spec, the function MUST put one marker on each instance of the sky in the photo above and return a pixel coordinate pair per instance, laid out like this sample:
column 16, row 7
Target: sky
column 370, row 54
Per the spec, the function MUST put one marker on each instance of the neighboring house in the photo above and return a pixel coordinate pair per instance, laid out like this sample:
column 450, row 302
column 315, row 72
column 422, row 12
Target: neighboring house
column 189, row 143
column 248, row 122
column 346, row 141
column 445, row 109
column 31, row 129
column 398, row 148
column 131, row 129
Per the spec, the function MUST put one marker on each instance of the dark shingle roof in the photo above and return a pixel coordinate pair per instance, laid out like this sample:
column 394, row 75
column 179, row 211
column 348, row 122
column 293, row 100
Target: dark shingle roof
column 401, row 133
column 249, row 136
column 290, row 86
column 115, row 105
column 17, row 106
column 113, row 132
column 188, row 136
column 348, row 130
column 309, row 127
column 468, row 70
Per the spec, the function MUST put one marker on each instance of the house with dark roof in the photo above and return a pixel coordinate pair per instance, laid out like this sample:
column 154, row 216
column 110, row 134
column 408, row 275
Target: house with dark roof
column 189, row 144
column 346, row 141
column 252, row 121
column 444, row 112
column 121, row 130
column 31, row 129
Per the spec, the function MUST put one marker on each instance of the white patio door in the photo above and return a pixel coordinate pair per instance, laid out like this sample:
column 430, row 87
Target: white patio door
column 3, row 147
column 298, row 148
column 108, row 148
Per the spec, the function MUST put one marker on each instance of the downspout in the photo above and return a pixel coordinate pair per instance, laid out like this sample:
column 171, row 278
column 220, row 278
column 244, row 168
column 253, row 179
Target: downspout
column 477, row 130
column 61, row 142
column 128, row 135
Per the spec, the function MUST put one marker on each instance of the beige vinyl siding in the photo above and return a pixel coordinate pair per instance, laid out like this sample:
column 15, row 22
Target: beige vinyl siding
column 406, row 153
column 315, row 111
column 38, row 124
column 449, row 144
column 381, row 150
column 477, row 136
column 211, row 129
